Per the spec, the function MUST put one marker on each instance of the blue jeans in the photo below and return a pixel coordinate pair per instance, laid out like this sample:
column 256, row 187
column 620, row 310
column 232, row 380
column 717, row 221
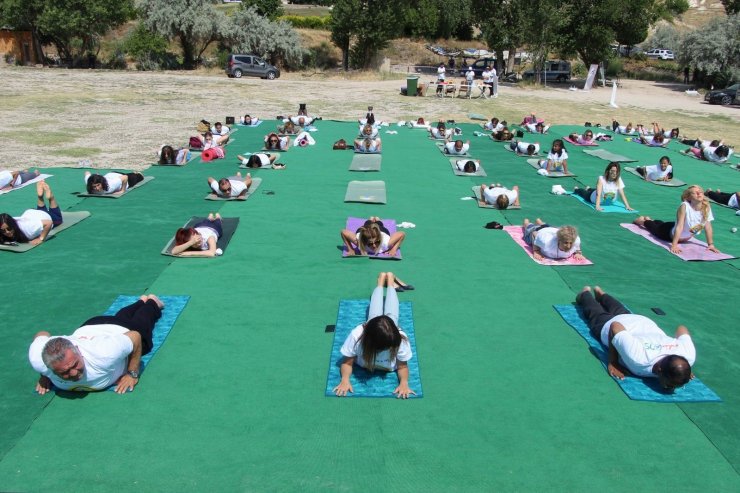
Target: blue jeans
column 376, row 304
column 54, row 212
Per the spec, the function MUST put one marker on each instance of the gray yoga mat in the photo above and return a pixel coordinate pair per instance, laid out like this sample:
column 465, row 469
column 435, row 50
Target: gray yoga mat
column 269, row 166
column 70, row 219
column 228, row 225
column 256, row 182
column 609, row 156
column 535, row 163
column 671, row 183
column 480, row 172
column 508, row 148
column 143, row 182
column 369, row 192
column 476, row 192
column 365, row 162
column 441, row 147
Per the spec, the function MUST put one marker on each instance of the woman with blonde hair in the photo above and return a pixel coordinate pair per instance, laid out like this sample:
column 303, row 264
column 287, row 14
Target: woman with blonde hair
column 372, row 238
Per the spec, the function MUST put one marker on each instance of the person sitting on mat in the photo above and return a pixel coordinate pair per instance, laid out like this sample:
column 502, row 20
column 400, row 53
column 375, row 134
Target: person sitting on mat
column 467, row 165
column 372, row 238
column 494, row 125
column 636, row 344
column 693, row 215
column 230, row 187
column 525, row 148
column 200, row 240
column 249, row 121
column 728, row 199
column 288, row 128
column 367, row 131
column 458, row 147
column 496, row 195
column 378, row 344
column 260, row 160
column 607, row 187
column 503, row 135
column 220, row 133
column 440, row 131
column 168, row 155
column 555, row 243
column 111, row 183
column 13, row 179
column 557, row 159
column 34, row 225
column 104, row 351
column 368, row 145
column 273, row 142
column 657, row 172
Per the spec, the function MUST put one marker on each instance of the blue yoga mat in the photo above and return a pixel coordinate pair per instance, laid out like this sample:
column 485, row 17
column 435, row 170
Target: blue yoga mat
column 636, row 388
column 615, row 206
column 366, row 384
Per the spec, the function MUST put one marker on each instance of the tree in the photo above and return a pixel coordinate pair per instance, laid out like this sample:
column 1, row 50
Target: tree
column 587, row 29
column 249, row 32
column 503, row 27
column 715, row 49
column 343, row 25
column 731, row 6
column 630, row 29
column 377, row 27
column 421, row 19
column 272, row 9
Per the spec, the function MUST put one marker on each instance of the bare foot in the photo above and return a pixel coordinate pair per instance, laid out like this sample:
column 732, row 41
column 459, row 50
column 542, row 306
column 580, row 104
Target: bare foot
column 526, row 222
column 218, row 215
column 156, row 299
column 538, row 222
column 40, row 189
column 143, row 298
column 210, row 216
column 598, row 292
column 586, row 289
column 381, row 279
column 47, row 191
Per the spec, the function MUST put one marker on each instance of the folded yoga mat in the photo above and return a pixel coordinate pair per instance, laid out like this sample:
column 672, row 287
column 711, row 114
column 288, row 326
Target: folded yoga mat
column 256, row 182
column 40, row 177
column 673, row 182
column 365, row 162
column 366, row 384
column 353, row 223
column 567, row 139
column 173, row 307
column 443, row 150
column 70, row 219
column 458, row 172
column 517, row 234
column 615, row 206
column 369, row 192
column 609, row 156
column 691, row 250
column 636, row 388
column 228, row 224
column 476, row 192
column 508, row 148
column 535, row 163
column 143, row 182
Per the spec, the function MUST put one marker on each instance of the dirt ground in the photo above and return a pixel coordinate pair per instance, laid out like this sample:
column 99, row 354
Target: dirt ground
column 57, row 117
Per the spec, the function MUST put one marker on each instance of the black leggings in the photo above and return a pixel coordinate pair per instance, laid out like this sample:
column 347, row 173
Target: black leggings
column 599, row 312
column 659, row 229
column 139, row 317
column 584, row 193
column 134, row 178
column 719, row 197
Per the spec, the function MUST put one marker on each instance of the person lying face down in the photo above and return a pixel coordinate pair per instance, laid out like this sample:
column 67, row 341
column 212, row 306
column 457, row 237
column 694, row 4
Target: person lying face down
column 467, row 165
column 457, row 147
column 13, row 179
column 34, row 225
column 274, row 142
column 498, row 196
column 368, row 145
column 111, row 183
column 367, row 131
column 231, row 187
column 551, row 242
column 503, row 135
column 372, row 238
column 608, row 187
column 525, row 148
column 663, row 171
column 201, row 240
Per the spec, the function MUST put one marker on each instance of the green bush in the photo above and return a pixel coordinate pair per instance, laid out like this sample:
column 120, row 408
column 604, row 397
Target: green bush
column 320, row 57
column 614, row 67
column 298, row 21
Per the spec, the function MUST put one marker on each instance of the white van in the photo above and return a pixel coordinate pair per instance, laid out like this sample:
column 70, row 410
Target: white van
column 555, row 70
column 662, row 54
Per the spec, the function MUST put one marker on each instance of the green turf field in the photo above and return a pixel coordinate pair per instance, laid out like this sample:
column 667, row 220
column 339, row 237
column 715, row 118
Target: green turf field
column 234, row 400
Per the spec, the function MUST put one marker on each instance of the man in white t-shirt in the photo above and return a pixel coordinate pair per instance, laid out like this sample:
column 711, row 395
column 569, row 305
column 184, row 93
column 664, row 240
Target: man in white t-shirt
column 486, row 76
column 231, row 187
column 494, row 82
column 636, row 344
column 104, row 351
column 458, row 147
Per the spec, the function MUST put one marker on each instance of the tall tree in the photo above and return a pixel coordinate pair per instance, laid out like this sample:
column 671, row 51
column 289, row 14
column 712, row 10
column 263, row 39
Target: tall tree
column 503, row 26
column 272, row 9
column 715, row 49
column 376, row 28
column 343, row 25
column 731, row 6
column 250, row 32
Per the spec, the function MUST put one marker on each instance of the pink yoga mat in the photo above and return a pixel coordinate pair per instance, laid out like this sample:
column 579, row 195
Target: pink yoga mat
column 691, row 250
column 593, row 144
column 517, row 234
column 355, row 222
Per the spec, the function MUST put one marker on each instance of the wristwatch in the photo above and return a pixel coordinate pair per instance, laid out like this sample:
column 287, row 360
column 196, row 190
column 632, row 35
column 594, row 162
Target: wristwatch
column 133, row 374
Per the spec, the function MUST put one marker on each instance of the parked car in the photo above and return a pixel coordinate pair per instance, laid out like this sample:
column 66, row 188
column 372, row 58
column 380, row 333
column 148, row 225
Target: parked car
column 251, row 66
column 723, row 96
column 554, row 70
column 479, row 66
column 662, row 54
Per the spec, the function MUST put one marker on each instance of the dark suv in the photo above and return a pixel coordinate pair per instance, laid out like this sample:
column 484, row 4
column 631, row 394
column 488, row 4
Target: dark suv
column 250, row 65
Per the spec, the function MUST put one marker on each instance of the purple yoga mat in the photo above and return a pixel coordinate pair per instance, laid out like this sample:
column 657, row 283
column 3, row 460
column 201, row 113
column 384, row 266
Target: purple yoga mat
column 355, row 222
column 691, row 250
column 592, row 144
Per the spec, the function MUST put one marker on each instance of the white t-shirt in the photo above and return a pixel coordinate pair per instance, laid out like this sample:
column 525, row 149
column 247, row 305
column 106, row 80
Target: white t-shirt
column 372, row 148
column 733, row 201
column 532, row 127
column 237, row 187
column 206, row 233
column 114, row 182
column 694, row 222
column 643, row 343
column 491, row 194
column 547, row 241
column 307, row 120
column 450, row 147
column 623, row 130
column 224, row 131
column 521, row 147
column 470, row 75
column 497, row 128
column 441, row 73
column 558, row 160
column 384, row 242
column 440, row 135
column 6, row 178
column 655, row 172
column 383, row 361
column 460, row 164
column 609, row 190
column 709, row 155
column 487, row 76
column 30, row 222
column 105, row 349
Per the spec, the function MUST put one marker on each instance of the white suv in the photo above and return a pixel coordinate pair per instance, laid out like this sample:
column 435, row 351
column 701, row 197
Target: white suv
column 662, row 54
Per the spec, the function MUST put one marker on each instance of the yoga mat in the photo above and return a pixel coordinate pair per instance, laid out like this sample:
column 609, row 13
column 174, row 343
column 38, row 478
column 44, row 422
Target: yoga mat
column 259, row 122
column 40, row 177
column 265, row 150
column 476, row 192
column 269, row 166
column 637, row 140
column 721, row 204
column 616, row 206
column 673, row 182
column 692, row 250
column 192, row 158
column 535, row 163
column 517, row 234
column 256, row 182
column 508, row 148
column 365, row 162
column 567, row 139
column 143, row 182
column 228, row 224
column 369, row 192
column 609, row 156
column 458, row 172
column 366, row 384
column 477, row 116
column 69, row 218
column 443, row 150
column 636, row 388
column 366, row 152
column 353, row 223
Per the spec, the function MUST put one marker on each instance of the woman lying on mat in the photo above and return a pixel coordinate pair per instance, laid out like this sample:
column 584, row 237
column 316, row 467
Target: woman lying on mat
column 249, row 121
column 440, row 131
column 260, row 160
column 496, row 195
column 12, row 179
column 671, row 133
column 587, row 138
column 457, row 147
column 525, row 148
column 230, row 187
column 728, row 199
column 168, row 155
column 34, row 225
column 367, row 131
column 550, row 242
column 111, row 183
column 693, row 215
column 274, row 142
column 537, row 128
column 716, row 152
column 623, row 129
column 200, row 240
column 378, row 344
column 372, row 238
column 557, row 159
column 503, row 135
column 467, row 165
column 657, row 172
column 657, row 140
column 368, row 145
column 607, row 188
column 288, row 128
column 209, row 141
column 494, row 125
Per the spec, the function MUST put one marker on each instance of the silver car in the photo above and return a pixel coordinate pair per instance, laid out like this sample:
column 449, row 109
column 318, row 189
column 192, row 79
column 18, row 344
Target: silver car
column 238, row 65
